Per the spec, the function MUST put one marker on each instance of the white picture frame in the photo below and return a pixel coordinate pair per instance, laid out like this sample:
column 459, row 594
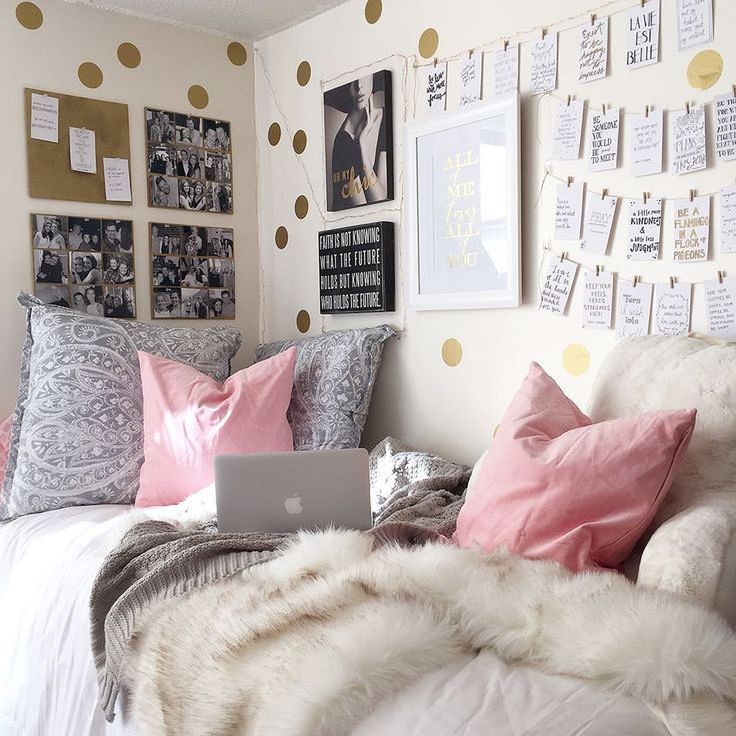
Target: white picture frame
column 446, row 275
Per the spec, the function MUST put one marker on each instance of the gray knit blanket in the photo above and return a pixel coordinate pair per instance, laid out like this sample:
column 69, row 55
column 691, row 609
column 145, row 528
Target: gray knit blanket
column 416, row 497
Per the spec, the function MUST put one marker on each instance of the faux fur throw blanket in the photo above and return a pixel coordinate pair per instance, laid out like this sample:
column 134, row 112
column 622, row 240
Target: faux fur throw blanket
column 309, row 642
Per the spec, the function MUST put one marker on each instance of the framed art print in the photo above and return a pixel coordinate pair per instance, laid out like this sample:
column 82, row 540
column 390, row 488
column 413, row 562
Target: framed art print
column 462, row 208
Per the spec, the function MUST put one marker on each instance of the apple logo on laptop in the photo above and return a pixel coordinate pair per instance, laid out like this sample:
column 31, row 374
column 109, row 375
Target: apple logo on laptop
column 293, row 504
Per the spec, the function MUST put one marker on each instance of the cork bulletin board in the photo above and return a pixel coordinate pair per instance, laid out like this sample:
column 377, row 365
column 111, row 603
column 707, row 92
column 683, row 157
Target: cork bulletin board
column 50, row 175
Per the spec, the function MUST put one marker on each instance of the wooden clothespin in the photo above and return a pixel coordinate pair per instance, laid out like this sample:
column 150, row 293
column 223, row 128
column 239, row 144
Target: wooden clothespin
column 544, row 33
column 721, row 274
column 692, row 194
column 597, row 271
column 435, row 61
column 592, row 19
column 672, row 282
column 470, row 53
column 636, row 281
column 563, row 255
column 604, row 193
column 645, row 196
column 643, row 3
column 569, row 100
column 569, row 180
column 603, row 108
column 505, row 45
column 687, row 108
column 733, row 89
column 646, row 111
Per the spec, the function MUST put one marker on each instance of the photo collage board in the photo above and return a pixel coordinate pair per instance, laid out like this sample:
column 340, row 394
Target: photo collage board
column 85, row 264
column 189, row 160
column 192, row 272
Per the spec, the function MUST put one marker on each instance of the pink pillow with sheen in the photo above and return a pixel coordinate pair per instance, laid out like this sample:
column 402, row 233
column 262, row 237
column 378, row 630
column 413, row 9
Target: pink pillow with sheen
column 4, row 448
column 556, row 486
column 189, row 418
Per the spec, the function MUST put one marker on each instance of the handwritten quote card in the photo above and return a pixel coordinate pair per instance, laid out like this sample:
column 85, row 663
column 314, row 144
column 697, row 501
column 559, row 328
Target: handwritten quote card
column 694, row 22
column 44, row 118
column 671, row 309
column 435, row 88
column 82, row 151
column 727, row 220
column 642, row 37
column 645, row 143
column 568, row 127
column 568, row 211
column 593, row 55
column 544, row 64
column 691, row 229
column 506, row 70
column 558, row 281
column 688, row 141
column 725, row 127
column 598, row 301
column 720, row 307
column 597, row 225
column 470, row 77
column 603, row 152
column 633, row 305
column 645, row 229
column 117, row 179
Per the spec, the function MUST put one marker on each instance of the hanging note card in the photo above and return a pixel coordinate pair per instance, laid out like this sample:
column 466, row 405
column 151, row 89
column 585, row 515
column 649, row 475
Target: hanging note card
column 544, row 64
column 720, row 307
column 558, row 281
column 642, row 35
column 694, row 23
column 645, row 143
column 597, row 224
column 82, row 151
column 645, row 229
column 604, row 129
column 117, row 179
column 435, row 87
column 691, row 229
column 725, row 126
column 633, row 305
column 44, row 118
column 727, row 219
column 568, row 126
column 469, row 79
column 688, row 140
column 593, row 54
column 568, row 211
column 598, row 301
column 671, row 309
column 506, row 70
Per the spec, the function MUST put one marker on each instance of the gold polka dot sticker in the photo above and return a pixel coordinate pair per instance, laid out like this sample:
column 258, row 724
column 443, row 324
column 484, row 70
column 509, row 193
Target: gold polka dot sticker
column 373, row 10
column 301, row 206
column 29, row 15
column 576, row 359
column 129, row 55
column 428, row 43
column 304, row 73
column 705, row 69
column 237, row 53
column 303, row 321
column 90, row 75
column 452, row 352
column 300, row 141
column 198, row 96
column 281, row 237
column 274, row 134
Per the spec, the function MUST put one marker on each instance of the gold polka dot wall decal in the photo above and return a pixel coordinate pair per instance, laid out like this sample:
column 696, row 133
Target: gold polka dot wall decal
column 129, row 55
column 373, row 10
column 300, row 141
column 705, row 69
column 304, row 73
column 29, row 15
column 198, row 96
column 301, row 206
column 576, row 359
column 90, row 75
column 274, row 134
column 452, row 352
column 237, row 54
column 281, row 237
column 303, row 321
column 428, row 43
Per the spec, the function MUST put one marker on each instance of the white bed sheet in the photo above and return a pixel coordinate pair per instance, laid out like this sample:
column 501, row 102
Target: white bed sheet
column 48, row 687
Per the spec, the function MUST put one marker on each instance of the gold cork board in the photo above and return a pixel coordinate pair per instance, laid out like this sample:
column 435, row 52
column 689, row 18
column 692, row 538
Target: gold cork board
column 49, row 169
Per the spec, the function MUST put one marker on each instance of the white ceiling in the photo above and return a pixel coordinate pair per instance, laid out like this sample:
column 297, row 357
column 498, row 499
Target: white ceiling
column 244, row 19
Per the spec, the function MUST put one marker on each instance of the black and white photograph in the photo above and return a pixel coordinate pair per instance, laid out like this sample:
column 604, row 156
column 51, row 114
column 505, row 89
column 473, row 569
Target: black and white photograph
column 165, row 271
column 358, row 120
column 162, row 160
column 217, row 135
column 84, row 234
column 193, row 272
column 165, row 239
column 56, row 296
column 167, row 303
column 222, row 304
column 190, row 163
column 193, row 243
column 220, row 242
column 49, row 232
column 221, row 272
column 50, row 267
column 90, row 302
column 192, row 195
column 188, row 130
column 195, row 303
column 219, row 197
column 164, row 191
column 119, row 302
column 86, row 268
column 160, row 127
column 117, row 236
column 217, row 166
column 118, row 268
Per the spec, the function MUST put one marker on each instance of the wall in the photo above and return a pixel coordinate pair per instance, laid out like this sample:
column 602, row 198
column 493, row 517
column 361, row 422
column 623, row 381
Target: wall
column 172, row 60
column 418, row 397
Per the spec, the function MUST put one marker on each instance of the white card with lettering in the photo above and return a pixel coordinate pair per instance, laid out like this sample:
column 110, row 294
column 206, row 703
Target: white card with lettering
column 645, row 143
column 82, row 150
column 597, row 224
column 633, row 306
column 435, row 87
column 593, row 54
column 558, row 281
column 671, row 309
column 642, row 35
column 44, row 118
column 691, row 226
column 544, row 64
column 645, row 229
column 117, row 179
column 569, row 211
column 506, row 70
column 603, row 144
column 598, row 300
column 694, row 23
column 470, row 77
column 720, row 307
column 568, row 127
column 727, row 219
column 687, row 141
column 725, row 106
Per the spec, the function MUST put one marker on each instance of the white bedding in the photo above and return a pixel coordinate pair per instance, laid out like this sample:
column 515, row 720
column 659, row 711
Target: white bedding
column 48, row 686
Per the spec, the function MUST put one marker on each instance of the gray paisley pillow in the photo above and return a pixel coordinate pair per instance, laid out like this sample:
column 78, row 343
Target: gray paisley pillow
column 333, row 383
column 77, row 434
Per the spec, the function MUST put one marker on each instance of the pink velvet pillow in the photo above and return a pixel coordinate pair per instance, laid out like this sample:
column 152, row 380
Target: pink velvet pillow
column 556, row 486
column 189, row 418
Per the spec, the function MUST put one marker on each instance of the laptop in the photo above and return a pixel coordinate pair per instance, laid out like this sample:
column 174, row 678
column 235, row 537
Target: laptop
column 287, row 491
